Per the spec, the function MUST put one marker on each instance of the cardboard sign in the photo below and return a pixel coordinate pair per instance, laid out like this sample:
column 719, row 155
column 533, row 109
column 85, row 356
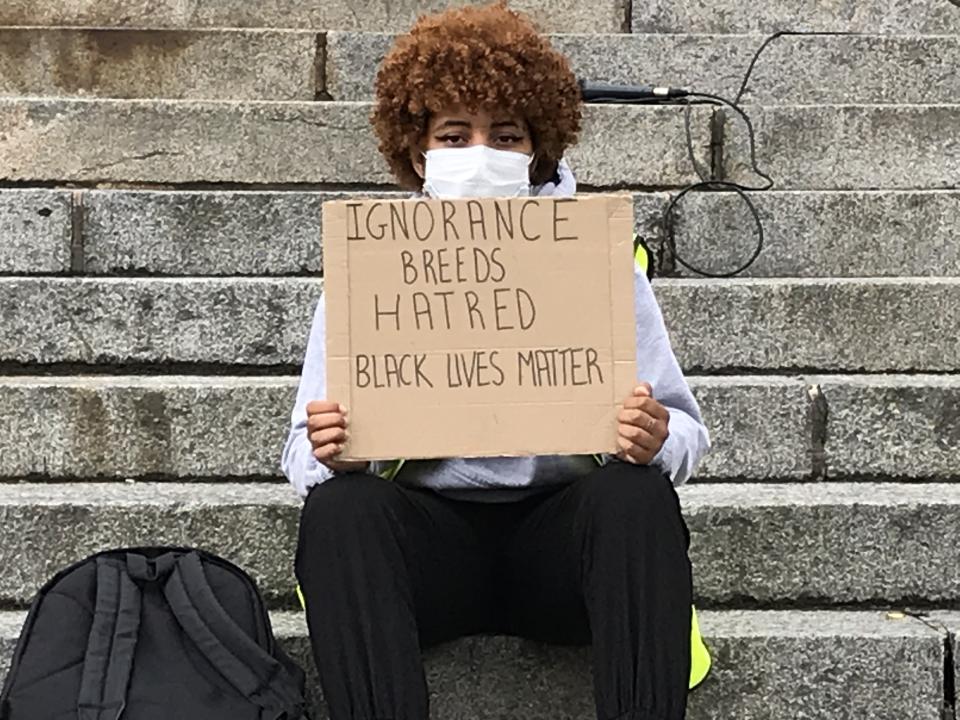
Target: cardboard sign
column 465, row 328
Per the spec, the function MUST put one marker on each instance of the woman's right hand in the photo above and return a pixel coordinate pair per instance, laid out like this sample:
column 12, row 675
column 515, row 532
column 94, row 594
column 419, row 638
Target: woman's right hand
column 327, row 432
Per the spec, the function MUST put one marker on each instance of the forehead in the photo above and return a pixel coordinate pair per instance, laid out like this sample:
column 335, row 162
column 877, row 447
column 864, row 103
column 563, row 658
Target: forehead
column 462, row 117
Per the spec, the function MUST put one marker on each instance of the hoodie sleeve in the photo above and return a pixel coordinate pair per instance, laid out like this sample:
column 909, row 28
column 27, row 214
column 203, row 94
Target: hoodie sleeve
column 689, row 440
column 297, row 462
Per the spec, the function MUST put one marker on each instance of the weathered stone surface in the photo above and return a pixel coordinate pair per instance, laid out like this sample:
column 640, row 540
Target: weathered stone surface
column 240, row 320
column 168, row 427
column 760, row 427
column 848, row 147
column 949, row 621
column 855, row 70
column 630, row 145
column 371, row 15
column 134, row 427
column 756, row 543
column 10, row 625
column 767, row 665
column 227, row 232
column 135, row 63
column 35, row 231
column 879, row 325
column 762, row 662
column 791, row 71
column 827, row 325
column 186, row 141
column 48, row 526
column 206, row 233
column 823, row 543
column 893, row 426
column 267, row 142
column 895, row 17
column 352, row 60
column 819, row 665
column 821, row 234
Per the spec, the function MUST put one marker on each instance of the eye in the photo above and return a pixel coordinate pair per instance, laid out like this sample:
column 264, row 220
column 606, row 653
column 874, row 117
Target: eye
column 508, row 139
column 452, row 140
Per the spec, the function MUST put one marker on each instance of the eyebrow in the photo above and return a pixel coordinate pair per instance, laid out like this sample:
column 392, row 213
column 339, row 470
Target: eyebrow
column 453, row 123
column 506, row 123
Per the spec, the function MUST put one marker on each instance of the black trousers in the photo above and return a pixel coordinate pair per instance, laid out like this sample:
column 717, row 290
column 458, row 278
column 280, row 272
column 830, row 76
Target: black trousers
column 388, row 570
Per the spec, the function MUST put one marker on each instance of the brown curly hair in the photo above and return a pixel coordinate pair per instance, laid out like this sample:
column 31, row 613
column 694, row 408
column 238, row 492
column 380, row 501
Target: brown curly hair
column 483, row 58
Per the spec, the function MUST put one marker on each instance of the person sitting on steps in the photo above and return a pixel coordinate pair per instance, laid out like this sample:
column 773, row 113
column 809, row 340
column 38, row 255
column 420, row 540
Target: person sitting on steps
column 558, row 549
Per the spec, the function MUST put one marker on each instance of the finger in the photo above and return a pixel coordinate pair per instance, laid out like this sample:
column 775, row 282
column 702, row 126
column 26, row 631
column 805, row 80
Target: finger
column 323, row 406
column 640, row 418
column 328, row 435
column 326, row 420
column 643, row 389
column 325, row 453
column 633, row 453
column 648, row 406
column 639, row 437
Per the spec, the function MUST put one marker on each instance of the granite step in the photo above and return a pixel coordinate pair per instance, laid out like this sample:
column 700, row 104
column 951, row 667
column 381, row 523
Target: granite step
column 822, row 147
column 753, row 545
column 267, row 233
column 894, row 17
column 738, row 326
column 373, row 15
column 773, row 429
column 864, row 69
column 303, row 65
column 829, row 665
column 605, row 16
column 847, row 147
column 173, row 141
column 174, row 64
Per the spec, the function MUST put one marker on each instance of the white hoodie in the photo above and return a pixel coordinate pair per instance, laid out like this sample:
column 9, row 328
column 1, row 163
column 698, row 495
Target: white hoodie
column 656, row 364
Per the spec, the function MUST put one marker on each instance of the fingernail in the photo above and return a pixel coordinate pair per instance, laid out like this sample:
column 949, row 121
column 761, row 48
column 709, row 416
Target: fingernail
column 343, row 410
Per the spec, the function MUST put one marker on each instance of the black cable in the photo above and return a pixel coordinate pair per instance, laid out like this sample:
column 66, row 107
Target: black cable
column 711, row 185
column 666, row 95
column 779, row 34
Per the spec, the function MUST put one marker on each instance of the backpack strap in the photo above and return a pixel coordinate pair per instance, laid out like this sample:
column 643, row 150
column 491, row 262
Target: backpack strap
column 256, row 674
column 111, row 644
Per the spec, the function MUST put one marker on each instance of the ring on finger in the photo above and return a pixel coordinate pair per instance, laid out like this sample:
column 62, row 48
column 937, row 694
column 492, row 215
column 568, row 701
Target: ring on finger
column 651, row 422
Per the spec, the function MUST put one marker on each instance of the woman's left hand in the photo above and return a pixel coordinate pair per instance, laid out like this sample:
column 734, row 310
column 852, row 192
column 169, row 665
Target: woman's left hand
column 643, row 426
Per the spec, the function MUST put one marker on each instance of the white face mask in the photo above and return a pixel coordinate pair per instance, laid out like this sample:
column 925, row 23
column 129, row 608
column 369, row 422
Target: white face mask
column 476, row 171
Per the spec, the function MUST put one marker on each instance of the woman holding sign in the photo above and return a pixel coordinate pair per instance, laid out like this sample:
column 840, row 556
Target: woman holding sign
column 474, row 102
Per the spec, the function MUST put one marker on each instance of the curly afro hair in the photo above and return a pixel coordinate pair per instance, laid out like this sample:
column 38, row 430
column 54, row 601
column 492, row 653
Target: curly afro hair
column 486, row 58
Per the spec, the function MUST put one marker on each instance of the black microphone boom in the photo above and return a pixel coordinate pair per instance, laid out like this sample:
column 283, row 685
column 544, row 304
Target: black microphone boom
column 593, row 91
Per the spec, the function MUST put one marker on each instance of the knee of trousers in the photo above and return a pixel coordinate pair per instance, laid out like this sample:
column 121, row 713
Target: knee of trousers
column 622, row 493
column 344, row 509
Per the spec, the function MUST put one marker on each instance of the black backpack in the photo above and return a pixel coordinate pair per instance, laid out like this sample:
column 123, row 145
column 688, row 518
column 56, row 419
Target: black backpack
column 151, row 634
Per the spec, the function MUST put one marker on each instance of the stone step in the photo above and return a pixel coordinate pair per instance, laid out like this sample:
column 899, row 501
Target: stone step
column 791, row 71
column 816, row 234
column 172, row 141
column 894, row 17
column 129, row 63
column 184, row 232
column 830, row 665
column 729, row 326
column 288, row 65
column 763, row 428
column 373, row 15
column 169, row 141
column 847, row 147
column 753, row 545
